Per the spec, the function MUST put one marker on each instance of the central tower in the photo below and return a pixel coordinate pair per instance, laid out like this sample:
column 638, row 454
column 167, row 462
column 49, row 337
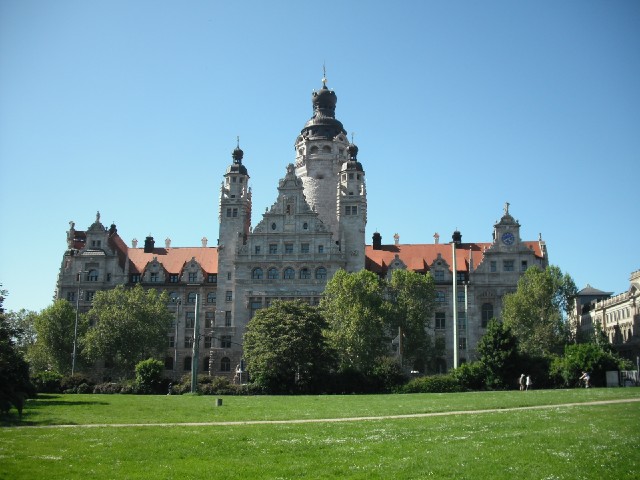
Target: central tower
column 321, row 149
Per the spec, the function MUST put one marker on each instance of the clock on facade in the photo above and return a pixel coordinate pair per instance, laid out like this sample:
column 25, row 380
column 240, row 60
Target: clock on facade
column 508, row 238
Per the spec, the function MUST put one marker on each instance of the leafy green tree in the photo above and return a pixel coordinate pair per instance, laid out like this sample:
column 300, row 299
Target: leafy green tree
column 23, row 324
column 285, row 349
column 412, row 298
column 15, row 386
column 536, row 312
column 498, row 352
column 54, row 327
column 129, row 325
column 586, row 357
column 356, row 313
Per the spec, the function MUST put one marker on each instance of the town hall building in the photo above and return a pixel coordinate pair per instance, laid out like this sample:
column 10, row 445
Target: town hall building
column 315, row 227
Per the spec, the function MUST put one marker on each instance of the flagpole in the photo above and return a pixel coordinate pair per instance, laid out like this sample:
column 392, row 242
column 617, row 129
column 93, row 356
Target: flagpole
column 454, row 301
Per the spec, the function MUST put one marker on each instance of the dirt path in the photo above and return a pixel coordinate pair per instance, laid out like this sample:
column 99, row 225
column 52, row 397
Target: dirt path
column 335, row 420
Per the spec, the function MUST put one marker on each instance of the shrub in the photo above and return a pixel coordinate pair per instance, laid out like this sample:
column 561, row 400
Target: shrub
column 470, row 376
column 47, row 382
column 71, row 383
column 433, row 384
column 149, row 376
column 387, row 375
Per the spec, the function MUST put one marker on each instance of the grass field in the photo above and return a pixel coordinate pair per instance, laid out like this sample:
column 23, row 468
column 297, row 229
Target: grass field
column 506, row 441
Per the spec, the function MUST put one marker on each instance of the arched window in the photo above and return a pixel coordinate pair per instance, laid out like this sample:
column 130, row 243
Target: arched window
column 225, row 364
column 487, row 314
column 257, row 274
column 205, row 364
column 314, row 149
column 273, row 274
column 168, row 363
column 326, row 149
column 321, row 273
column 187, row 364
column 92, row 276
column 289, row 273
column 305, row 273
column 191, row 298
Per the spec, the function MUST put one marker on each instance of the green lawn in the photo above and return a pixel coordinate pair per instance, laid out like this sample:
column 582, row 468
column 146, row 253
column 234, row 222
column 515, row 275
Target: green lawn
column 561, row 442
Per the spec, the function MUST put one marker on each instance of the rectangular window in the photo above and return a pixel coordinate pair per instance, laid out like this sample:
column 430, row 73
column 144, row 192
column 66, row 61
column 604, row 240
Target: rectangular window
column 441, row 297
column 193, row 277
column 89, row 296
column 494, row 267
column 440, row 320
column 190, row 319
column 135, row 277
column 273, row 248
column 460, row 294
column 228, row 296
column 108, row 277
column 523, row 265
column 347, row 210
column 257, row 250
column 235, row 213
column 255, row 305
column 225, row 341
column 212, row 278
column 462, row 321
column 438, row 275
column 188, row 342
column 320, row 248
column 172, row 341
column 71, row 296
column 227, row 318
column 173, row 278
column 154, row 277
column 208, row 319
column 462, row 343
column 354, row 210
column 228, row 275
column 304, row 248
column 288, row 248
column 508, row 265
column 228, row 212
column 461, row 277
column 207, row 342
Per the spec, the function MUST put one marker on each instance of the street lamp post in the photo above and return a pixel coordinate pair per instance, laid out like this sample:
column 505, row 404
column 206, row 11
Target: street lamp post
column 75, row 328
column 178, row 302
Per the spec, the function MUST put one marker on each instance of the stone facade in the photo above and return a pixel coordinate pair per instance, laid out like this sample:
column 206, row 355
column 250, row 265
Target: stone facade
column 315, row 227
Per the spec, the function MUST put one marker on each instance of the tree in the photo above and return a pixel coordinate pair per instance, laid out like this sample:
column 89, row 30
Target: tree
column 355, row 310
column 15, row 386
column 586, row 357
column 498, row 352
column 149, row 375
column 412, row 299
column 23, row 325
column 55, row 331
column 129, row 325
column 536, row 312
column 285, row 349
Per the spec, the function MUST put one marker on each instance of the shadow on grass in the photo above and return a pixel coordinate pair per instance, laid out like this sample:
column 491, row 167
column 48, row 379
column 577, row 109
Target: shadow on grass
column 33, row 406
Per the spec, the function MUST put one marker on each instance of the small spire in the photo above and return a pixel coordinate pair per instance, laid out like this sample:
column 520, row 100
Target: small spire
column 324, row 75
column 238, row 140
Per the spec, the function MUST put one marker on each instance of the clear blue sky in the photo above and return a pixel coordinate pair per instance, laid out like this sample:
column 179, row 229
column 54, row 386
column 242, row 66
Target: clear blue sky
column 133, row 108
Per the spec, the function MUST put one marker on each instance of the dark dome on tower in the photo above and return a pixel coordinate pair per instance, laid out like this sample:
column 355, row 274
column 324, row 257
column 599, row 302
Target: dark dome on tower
column 323, row 124
column 352, row 163
column 236, row 166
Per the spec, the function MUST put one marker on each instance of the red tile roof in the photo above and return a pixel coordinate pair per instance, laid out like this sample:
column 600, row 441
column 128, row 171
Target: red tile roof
column 173, row 259
column 420, row 257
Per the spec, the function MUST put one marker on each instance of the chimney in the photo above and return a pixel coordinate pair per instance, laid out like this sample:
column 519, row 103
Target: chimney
column 148, row 244
column 167, row 243
column 436, row 238
column 377, row 241
column 396, row 238
column 134, row 243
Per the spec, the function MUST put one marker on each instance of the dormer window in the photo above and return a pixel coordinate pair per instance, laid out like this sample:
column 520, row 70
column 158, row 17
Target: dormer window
column 193, row 277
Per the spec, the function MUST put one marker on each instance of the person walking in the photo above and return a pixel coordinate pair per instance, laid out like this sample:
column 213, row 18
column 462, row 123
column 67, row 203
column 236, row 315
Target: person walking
column 521, row 382
column 528, row 382
column 586, row 377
